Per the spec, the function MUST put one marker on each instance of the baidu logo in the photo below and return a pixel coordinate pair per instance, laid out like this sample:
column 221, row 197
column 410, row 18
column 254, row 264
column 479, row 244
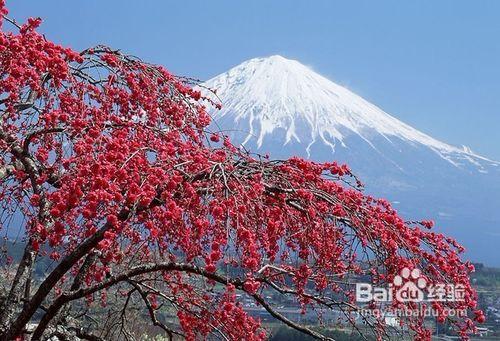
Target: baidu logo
column 409, row 286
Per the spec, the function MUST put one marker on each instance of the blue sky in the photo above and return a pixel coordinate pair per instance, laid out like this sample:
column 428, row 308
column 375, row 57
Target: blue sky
column 432, row 64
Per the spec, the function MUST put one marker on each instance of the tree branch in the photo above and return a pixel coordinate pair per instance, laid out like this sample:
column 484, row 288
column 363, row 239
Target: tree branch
column 187, row 268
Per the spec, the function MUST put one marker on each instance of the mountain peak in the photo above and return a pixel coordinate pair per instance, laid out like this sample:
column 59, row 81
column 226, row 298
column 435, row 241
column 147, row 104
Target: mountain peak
column 275, row 57
column 275, row 65
column 272, row 59
column 263, row 96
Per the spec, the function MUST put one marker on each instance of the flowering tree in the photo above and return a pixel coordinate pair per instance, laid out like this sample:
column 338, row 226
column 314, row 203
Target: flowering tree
column 108, row 168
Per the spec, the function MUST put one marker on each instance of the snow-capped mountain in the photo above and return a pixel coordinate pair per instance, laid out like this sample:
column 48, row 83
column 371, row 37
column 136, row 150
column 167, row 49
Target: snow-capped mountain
column 266, row 95
column 280, row 106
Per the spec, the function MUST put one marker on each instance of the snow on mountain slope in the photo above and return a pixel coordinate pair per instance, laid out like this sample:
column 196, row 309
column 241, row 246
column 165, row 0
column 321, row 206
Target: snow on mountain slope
column 263, row 95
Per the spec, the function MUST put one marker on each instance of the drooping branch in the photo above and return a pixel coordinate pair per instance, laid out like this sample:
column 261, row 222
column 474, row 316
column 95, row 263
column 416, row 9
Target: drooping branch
column 151, row 311
column 129, row 275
